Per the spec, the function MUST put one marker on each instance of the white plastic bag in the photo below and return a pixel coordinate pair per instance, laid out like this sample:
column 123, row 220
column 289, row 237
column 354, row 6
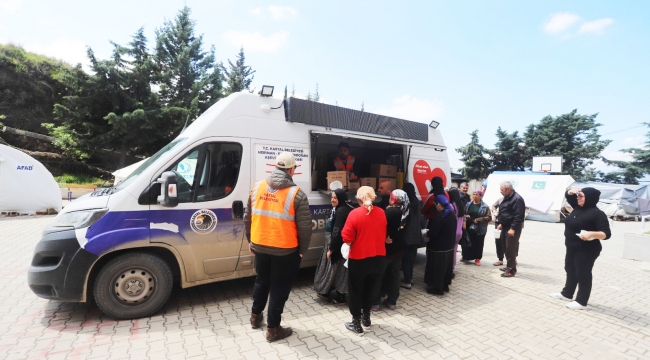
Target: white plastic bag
column 345, row 251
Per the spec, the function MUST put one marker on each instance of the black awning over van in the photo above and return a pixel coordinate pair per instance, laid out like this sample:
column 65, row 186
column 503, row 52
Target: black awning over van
column 315, row 113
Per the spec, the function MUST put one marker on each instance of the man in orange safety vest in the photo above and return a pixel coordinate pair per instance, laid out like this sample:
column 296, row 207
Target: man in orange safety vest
column 346, row 162
column 278, row 226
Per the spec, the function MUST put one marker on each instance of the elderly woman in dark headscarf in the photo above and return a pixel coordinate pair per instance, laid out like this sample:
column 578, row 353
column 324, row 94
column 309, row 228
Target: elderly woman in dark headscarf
column 583, row 230
column 331, row 274
column 397, row 217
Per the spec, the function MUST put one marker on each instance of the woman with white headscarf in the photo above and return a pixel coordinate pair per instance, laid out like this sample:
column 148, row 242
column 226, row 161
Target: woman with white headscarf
column 365, row 232
column 397, row 217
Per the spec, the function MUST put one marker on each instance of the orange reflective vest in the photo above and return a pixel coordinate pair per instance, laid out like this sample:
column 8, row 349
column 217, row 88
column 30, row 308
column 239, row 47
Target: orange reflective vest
column 349, row 163
column 273, row 216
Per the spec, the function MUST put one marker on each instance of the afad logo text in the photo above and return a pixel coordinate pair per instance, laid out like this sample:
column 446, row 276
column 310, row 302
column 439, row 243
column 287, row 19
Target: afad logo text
column 24, row 167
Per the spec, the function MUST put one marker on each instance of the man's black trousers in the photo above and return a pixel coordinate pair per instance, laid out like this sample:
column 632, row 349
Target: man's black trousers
column 275, row 275
column 578, row 264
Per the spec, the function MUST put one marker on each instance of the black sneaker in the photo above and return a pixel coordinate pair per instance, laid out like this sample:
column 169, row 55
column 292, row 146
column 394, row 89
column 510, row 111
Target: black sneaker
column 354, row 326
column 365, row 319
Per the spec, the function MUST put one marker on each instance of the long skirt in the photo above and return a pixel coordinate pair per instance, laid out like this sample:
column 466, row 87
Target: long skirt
column 330, row 276
column 437, row 274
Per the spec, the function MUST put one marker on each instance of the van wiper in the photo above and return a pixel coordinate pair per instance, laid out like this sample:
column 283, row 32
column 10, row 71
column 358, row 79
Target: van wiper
column 103, row 191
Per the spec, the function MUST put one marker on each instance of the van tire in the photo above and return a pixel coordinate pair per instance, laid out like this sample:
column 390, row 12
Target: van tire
column 133, row 285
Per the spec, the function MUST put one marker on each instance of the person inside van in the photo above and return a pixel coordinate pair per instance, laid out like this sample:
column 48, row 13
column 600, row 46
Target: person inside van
column 346, row 162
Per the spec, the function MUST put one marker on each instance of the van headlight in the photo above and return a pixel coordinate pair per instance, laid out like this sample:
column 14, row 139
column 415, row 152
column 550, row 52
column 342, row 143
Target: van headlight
column 79, row 219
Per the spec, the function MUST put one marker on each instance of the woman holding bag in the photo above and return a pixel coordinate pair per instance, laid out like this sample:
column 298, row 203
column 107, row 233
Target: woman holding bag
column 478, row 217
column 331, row 274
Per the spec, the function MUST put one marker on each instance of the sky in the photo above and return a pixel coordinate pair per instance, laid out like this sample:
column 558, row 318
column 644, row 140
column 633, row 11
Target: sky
column 466, row 64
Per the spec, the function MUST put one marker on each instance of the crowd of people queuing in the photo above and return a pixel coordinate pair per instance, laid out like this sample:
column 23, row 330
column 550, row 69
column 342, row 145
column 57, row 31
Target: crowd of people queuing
column 371, row 245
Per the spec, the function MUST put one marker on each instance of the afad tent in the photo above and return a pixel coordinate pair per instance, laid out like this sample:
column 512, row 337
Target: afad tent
column 543, row 194
column 26, row 186
column 122, row 173
column 619, row 199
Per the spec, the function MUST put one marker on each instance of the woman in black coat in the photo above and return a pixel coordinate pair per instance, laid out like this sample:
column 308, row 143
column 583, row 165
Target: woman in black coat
column 442, row 235
column 331, row 274
column 583, row 230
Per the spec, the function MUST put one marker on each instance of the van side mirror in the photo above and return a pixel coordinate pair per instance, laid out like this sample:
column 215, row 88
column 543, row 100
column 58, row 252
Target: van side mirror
column 237, row 209
column 149, row 195
column 168, row 189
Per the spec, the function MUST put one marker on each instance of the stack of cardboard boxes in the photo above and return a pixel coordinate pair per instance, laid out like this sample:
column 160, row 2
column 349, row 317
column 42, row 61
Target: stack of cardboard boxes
column 378, row 172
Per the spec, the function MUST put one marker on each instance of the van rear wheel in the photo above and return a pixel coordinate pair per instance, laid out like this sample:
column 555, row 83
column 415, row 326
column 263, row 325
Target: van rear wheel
column 133, row 286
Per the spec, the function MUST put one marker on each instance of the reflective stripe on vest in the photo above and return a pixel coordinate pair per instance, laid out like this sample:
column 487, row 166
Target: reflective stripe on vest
column 349, row 163
column 273, row 216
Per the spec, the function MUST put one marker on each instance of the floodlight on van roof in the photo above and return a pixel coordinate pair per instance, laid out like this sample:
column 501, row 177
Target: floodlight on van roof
column 434, row 124
column 267, row 90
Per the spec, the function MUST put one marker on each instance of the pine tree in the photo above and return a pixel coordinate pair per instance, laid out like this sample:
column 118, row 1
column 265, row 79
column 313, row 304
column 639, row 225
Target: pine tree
column 316, row 97
column 238, row 76
column 634, row 170
column 509, row 153
column 285, row 92
column 573, row 136
column 190, row 80
column 293, row 90
column 309, row 97
column 477, row 166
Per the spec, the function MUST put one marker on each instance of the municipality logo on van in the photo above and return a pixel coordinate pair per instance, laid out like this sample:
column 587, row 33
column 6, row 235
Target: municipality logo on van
column 203, row 221
column 25, row 167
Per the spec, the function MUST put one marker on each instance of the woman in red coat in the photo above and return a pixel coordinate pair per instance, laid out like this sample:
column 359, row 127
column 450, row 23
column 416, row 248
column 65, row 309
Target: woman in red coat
column 365, row 232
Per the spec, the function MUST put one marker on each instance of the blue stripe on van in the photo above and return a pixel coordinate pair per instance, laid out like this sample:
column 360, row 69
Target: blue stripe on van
column 118, row 228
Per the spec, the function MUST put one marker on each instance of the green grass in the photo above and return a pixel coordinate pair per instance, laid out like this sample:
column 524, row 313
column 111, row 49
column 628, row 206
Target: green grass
column 79, row 179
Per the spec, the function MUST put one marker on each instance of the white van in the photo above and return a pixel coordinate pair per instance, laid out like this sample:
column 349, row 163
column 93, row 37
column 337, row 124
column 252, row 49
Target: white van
column 178, row 217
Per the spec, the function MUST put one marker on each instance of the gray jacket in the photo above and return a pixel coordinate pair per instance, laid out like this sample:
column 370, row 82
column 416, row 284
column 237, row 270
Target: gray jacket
column 280, row 180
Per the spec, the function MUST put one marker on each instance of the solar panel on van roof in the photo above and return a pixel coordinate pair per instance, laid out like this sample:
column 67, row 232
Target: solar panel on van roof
column 315, row 113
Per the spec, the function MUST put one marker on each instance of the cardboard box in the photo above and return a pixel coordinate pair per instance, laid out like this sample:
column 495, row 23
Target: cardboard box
column 381, row 170
column 341, row 176
column 354, row 185
column 369, row 181
column 393, row 182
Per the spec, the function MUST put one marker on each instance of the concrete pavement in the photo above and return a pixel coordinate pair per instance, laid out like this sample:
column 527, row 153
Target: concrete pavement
column 484, row 315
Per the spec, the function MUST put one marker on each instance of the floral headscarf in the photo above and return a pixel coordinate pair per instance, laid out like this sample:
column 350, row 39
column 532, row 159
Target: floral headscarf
column 367, row 195
column 401, row 199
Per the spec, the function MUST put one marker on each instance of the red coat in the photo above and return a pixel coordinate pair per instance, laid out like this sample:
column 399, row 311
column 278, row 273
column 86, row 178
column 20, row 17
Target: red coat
column 366, row 234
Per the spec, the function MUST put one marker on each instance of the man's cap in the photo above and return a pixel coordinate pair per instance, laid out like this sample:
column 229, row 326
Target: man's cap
column 344, row 144
column 285, row 160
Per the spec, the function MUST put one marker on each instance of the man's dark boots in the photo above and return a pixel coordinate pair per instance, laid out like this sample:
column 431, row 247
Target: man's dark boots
column 365, row 319
column 355, row 326
column 256, row 320
column 278, row 333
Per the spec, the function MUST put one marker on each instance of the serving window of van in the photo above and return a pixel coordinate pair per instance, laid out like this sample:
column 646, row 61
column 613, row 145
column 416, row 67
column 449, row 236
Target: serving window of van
column 208, row 172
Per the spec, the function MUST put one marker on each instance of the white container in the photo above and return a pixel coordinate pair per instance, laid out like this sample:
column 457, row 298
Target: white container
column 497, row 233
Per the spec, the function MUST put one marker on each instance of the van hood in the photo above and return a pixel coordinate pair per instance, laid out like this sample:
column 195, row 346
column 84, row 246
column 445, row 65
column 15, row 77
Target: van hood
column 87, row 202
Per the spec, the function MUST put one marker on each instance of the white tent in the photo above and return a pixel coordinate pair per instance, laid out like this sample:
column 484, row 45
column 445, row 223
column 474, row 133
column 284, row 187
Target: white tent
column 26, row 186
column 122, row 173
column 543, row 194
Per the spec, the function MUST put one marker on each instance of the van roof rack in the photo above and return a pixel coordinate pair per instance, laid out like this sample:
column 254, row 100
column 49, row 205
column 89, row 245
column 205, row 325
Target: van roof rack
column 331, row 116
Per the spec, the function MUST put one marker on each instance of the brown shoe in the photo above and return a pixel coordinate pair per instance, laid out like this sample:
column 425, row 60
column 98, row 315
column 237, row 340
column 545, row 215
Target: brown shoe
column 277, row 333
column 256, row 320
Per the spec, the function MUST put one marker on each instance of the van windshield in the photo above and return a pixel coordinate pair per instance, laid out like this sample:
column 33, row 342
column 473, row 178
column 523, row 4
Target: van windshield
column 134, row 175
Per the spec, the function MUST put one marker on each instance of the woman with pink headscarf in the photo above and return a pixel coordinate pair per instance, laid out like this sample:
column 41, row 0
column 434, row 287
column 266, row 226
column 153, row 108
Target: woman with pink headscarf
column 365, row 232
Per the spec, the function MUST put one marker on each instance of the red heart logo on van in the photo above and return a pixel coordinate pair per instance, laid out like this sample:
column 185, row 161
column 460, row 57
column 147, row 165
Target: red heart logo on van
column 423, row 173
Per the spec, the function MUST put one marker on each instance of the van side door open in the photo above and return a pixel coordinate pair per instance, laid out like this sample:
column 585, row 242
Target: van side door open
column 212, row 177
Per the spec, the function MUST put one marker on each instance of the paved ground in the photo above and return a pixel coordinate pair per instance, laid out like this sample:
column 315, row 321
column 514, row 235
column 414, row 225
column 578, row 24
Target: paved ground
column 484, row 315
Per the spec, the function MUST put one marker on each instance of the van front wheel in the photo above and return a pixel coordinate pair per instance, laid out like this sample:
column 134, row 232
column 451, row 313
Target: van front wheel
column 133, row 286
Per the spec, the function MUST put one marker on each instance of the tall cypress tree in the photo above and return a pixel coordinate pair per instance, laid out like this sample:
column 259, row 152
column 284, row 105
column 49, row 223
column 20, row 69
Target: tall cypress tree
column 573, row 136
column 509, row 153
column 190, row 80
column 477, row 166
column 238, row 75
